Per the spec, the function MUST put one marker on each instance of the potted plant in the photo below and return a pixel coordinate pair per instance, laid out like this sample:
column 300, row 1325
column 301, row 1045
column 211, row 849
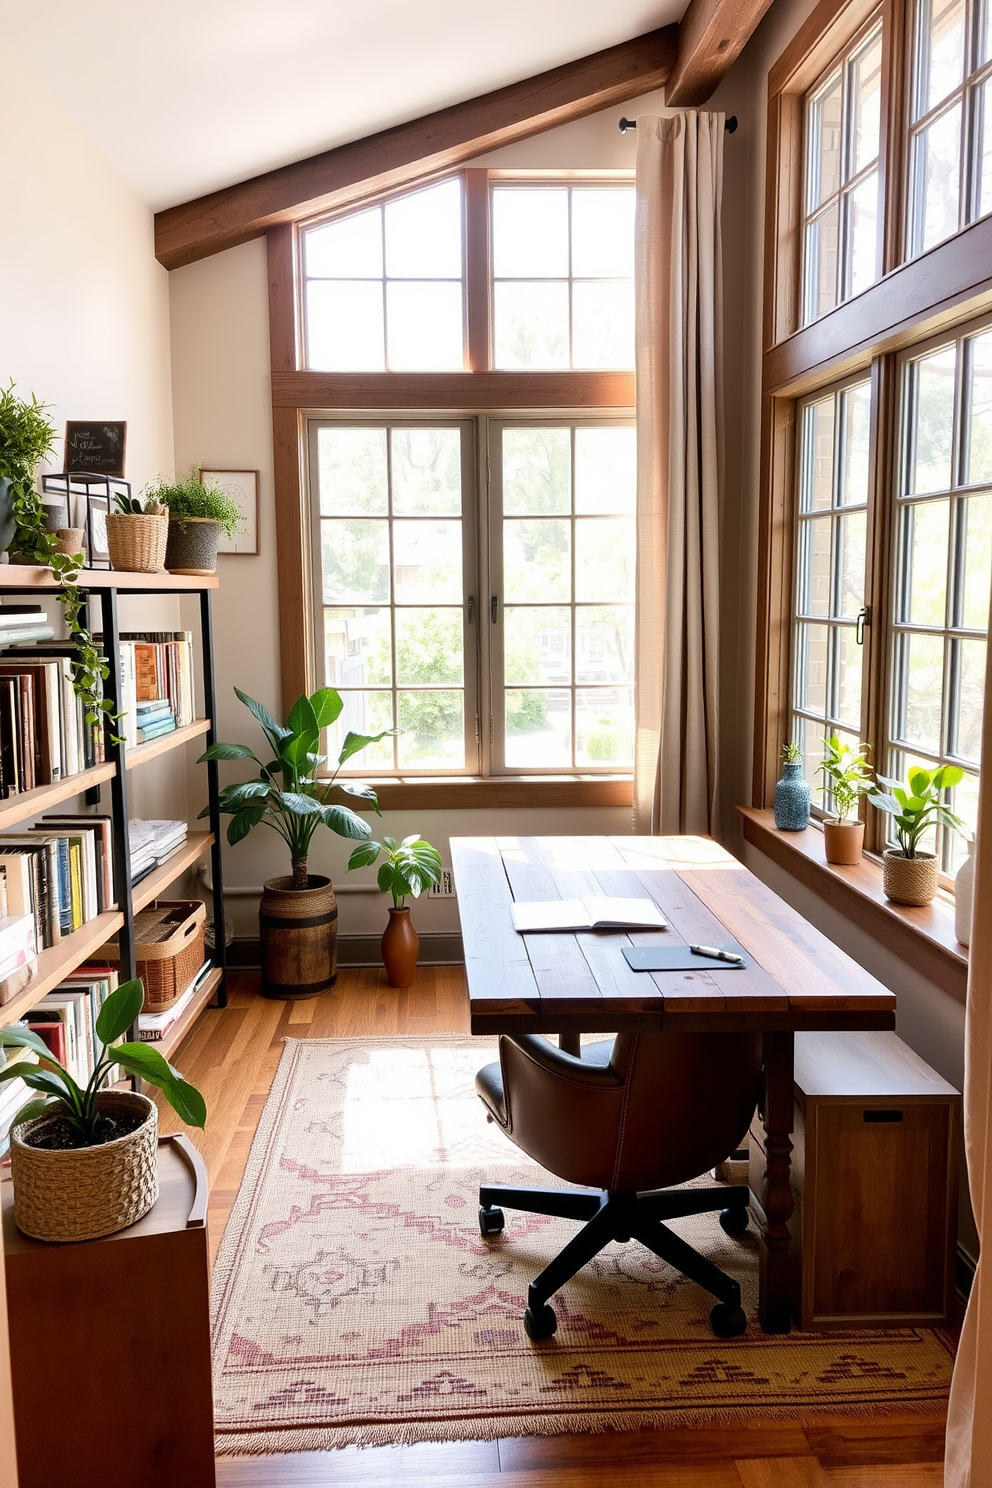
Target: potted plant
column 197, row 516
column 847, row 776
column 410, row 867
column 137, row 533
column 909, row 875
column 27, row 435
column 297, row 914
column 792, row 791
column 83, row 1159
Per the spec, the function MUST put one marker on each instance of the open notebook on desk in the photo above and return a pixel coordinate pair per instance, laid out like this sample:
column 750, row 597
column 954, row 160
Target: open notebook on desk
column 596, row 912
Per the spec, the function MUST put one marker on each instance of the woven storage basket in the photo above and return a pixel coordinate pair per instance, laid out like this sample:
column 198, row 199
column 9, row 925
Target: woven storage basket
column 168, row 949
column 136, row 541
column 90, row 1191
column 909, row 880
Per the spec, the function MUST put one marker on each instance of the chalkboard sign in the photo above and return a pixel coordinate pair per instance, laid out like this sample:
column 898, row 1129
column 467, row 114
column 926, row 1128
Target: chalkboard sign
column 97, row 448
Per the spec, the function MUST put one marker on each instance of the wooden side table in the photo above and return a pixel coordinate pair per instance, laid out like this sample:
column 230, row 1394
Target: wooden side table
column 132, row 1311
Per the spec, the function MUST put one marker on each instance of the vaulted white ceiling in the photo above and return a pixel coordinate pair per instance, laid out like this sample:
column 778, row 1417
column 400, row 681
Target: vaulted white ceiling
column 186, row 96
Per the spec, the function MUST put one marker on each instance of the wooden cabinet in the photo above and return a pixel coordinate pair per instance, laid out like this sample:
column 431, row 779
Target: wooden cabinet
column 111, row 1343
column 874, row 1176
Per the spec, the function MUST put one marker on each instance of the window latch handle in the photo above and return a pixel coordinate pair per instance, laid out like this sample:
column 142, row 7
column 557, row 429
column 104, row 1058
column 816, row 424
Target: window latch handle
column 471, row 609
column 864, row 618
column 494, row 607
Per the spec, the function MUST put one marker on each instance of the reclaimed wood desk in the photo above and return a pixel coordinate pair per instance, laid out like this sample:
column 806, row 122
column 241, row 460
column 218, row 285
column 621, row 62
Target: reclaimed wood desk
column 580, row 983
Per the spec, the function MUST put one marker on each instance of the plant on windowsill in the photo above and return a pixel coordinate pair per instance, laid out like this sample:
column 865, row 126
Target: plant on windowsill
column 792, row 791
column 909, row 875
column 847, row 776
column 136, row 534
column 197, row 516
column 297, row 914
column 83, row 1158
column 27, row 435
column 410, row 867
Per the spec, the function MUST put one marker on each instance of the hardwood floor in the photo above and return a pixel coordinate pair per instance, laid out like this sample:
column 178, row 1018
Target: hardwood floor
column 231, row 1055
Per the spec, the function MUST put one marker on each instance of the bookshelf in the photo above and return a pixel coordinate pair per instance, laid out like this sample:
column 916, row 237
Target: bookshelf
column 104, row 586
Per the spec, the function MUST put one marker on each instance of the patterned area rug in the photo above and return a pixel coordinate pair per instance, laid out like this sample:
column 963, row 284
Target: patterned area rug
column 355, row 1302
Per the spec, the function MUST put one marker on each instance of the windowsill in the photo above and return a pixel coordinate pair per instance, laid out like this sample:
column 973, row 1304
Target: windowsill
column 923, row 937
column 472, row 792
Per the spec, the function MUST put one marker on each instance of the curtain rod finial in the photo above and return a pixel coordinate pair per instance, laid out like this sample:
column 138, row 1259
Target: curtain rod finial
column 626, row 124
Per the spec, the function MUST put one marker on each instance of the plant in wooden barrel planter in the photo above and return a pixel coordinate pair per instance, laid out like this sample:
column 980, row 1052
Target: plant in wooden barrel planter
column 298, row 913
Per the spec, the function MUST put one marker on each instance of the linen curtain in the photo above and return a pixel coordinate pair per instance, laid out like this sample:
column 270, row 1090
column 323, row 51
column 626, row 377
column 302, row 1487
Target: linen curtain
column 678, row 277
column 968, row 1461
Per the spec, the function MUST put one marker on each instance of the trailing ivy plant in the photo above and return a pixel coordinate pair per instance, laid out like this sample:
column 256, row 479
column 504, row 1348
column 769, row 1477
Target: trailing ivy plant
column 27, row 435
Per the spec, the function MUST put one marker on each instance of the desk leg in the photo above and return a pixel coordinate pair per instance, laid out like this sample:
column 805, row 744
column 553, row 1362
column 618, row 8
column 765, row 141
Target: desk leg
column 571, row 1043
column 776, row 1260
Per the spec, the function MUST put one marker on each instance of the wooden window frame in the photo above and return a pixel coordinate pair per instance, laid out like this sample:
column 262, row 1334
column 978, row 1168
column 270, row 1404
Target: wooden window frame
column 298, row 394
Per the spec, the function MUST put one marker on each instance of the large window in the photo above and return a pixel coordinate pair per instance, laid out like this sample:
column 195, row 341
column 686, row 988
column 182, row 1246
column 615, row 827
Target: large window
column 498, row 646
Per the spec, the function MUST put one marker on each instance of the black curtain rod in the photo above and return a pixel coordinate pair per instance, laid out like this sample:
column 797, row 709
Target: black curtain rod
column 730, row 125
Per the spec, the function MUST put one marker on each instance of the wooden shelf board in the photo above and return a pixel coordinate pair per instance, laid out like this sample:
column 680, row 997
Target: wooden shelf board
column 30, row 803
column 167, row 1046
column 142, row 753
column 55, row 963
column 166, row 873
column 22, row 576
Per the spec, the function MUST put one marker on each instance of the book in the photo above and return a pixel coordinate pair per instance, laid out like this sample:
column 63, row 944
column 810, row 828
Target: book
column 16, row 635
column 98, row 856
column 595, row 912
column 146, row 732
column 152, row 1027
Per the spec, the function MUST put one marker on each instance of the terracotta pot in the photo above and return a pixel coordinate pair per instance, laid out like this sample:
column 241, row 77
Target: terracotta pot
column 86, row 1192
column 842, row 842
column 400, row 948
column 299, row 936
column 909, row 880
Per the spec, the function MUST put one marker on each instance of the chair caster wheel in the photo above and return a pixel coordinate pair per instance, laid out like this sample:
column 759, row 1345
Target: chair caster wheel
column 728, row 1322
column 540, row 1323
column 491, row 1221
column 733, row 1221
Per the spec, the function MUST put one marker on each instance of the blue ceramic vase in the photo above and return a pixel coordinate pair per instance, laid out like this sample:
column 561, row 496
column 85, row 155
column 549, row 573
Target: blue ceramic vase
column 792, row 800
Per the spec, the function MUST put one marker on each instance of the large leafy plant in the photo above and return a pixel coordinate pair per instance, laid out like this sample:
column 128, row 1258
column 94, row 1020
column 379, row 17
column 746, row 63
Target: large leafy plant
column 187, row 496
column 289, row 794
column 916, row 805
column 59, row 1094
column 411, row 866
column 846, row 773
column 27, row 435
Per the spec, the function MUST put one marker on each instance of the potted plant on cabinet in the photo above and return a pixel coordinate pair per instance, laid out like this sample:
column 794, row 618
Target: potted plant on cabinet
column 848, row 777
column 298, row 913
column 136, row 534
column 909, row 875
column 792, row 791
column 410, row 867
column 83, row 1159
column 197, row 516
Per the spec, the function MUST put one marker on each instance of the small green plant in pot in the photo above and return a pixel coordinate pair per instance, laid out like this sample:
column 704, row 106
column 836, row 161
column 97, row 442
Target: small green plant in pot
column 83, row 1158
column 137, row 532
column 298, row 913
column 909, row 874
column 409, row 867
column 847, row 776
column 198, row 514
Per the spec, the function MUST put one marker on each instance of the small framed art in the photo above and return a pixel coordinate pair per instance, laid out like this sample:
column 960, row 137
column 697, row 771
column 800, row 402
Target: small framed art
column 242, row 485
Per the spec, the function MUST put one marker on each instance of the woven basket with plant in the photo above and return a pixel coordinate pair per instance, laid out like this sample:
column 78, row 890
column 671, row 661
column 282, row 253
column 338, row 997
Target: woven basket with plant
column 137, row 534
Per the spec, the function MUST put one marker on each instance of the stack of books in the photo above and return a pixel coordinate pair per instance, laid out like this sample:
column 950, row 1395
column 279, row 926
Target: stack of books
column 24, row 622
column 60, row 873
column 153, row 1027
column 154, row 718
column 151, row 842
column 44, row 736
column 157, row 668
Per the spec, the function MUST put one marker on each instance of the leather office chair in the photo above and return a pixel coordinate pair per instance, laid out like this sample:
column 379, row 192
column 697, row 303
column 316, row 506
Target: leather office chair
column 633, row 1116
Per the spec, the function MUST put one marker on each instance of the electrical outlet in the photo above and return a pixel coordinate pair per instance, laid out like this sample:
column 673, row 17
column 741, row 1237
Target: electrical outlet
column 445, row 889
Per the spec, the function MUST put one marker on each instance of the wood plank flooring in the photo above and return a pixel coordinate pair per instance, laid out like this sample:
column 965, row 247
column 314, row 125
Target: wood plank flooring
column 231, row 1055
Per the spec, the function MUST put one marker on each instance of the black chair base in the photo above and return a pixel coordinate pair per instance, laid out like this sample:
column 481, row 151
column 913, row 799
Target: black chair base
column 623, row 1217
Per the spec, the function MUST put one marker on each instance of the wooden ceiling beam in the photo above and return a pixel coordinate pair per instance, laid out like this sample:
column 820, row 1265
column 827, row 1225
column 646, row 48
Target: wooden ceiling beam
column 415, row 151
column 711, row 36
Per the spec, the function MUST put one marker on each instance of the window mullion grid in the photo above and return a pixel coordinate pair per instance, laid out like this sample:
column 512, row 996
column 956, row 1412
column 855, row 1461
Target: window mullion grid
column 394, row 669
column 571, row 598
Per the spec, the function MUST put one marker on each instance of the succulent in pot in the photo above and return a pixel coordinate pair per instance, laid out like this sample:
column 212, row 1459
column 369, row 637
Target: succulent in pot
column 847, row 776
column 137, row 533
column 83, row 1158
column 297, row 913
column 410, row 867
column 909, row 873
column 197, row 515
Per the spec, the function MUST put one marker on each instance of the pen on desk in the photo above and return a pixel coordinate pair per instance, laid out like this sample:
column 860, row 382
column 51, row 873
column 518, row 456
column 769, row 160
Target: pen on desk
column 716, row 954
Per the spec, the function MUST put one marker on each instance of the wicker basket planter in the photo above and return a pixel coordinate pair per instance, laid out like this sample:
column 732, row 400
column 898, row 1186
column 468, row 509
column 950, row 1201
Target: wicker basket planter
column 169, row 941
column 136, row 542
column 192, row 549
column 909, row 880
column 86, row 1192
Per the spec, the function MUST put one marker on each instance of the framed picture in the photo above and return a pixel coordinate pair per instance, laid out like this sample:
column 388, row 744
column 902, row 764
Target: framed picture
column 243, row 486
column 94, row 449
